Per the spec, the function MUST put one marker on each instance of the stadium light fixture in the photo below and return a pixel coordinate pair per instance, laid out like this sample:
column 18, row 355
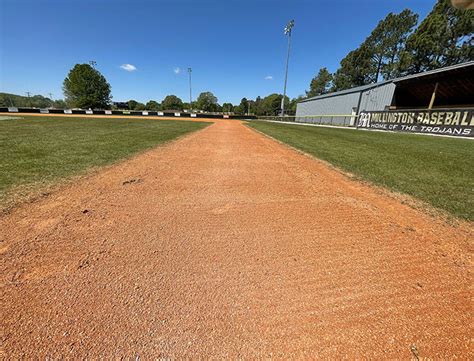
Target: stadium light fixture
column 190, row 90
column 288, row 30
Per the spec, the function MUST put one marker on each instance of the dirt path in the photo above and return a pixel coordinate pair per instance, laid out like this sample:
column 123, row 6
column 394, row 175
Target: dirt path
column 228, row 244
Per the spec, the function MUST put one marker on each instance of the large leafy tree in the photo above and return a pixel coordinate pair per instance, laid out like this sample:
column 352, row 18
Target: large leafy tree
column 443, row 38
column 207, row 102
column 320, row 84
column 152, row 105
column 172, row 102
column 86, row 87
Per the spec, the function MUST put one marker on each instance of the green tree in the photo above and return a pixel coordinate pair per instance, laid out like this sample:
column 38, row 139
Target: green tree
column 379, row 55
column 443, row 38
column 217, row 108
column 272, row 103
column 227, row 107
column 258, row 106
column 252, row 107
column 207, row 102
column 320, row 84
column 60, row 104
column 152, row 105
column 293, row 103
column 387, row 41
column 132, row 104
column 172, row 102
column 244, row 105
column 139, row 106
column 356, row 69
column 86, row 87
column 239, row 110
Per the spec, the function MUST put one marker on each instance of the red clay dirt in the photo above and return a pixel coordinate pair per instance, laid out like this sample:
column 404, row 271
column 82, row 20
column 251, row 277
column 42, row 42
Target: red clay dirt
column 227, row 244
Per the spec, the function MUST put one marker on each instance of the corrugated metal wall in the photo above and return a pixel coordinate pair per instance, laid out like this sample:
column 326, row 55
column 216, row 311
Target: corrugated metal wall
column 372, row 99
column 377, row 98
column 339, row 104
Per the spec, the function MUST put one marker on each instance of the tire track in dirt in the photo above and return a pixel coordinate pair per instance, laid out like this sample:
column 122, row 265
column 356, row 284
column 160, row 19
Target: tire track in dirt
column 231, row 245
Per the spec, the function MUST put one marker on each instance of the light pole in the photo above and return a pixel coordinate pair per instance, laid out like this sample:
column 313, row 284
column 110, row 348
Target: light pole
column 288, row 28
column 190, row 90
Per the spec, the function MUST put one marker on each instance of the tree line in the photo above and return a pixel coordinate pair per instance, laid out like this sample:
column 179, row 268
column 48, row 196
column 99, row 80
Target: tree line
column 85, row 87
column 208, row 102
column 398, row 47
column 35, row 101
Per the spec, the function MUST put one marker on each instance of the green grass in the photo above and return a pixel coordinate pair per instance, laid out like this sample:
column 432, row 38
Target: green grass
column 436, row 170
column 35, row 151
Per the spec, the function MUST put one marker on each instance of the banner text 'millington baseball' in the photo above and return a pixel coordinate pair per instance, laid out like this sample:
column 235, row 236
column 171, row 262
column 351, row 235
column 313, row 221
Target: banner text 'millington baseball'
column 458, row 122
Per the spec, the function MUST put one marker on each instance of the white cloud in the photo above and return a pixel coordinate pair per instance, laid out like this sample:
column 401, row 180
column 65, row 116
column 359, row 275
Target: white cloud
column 177, row 70
column 128, row 67
column 269, row 77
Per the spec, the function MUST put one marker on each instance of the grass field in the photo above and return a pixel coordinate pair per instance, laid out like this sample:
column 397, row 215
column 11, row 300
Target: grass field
column 36, row 151
column 437, row 170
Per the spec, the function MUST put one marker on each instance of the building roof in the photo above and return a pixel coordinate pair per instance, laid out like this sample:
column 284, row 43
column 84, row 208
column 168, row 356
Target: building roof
column 348, row 91
column 395, row 80
column 433, row 72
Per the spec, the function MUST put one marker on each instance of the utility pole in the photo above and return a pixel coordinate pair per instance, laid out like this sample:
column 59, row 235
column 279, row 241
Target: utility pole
column 190, row 90
column 288, row 29
column 51, row 98
column 29, row 101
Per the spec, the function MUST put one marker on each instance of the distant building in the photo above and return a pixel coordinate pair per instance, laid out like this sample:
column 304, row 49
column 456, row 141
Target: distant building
column 449, row 87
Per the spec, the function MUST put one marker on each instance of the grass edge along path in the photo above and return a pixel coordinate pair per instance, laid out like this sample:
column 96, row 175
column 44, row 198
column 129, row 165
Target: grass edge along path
column 436, row 170
column 38, row 152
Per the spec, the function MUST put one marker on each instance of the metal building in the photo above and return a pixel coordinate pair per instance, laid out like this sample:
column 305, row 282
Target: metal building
column 446, row 87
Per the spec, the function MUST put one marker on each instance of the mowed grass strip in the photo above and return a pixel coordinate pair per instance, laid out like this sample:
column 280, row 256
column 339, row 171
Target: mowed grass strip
column 436, row 170
column 35, row 151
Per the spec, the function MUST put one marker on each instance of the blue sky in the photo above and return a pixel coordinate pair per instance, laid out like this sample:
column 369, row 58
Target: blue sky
column 236, row 48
